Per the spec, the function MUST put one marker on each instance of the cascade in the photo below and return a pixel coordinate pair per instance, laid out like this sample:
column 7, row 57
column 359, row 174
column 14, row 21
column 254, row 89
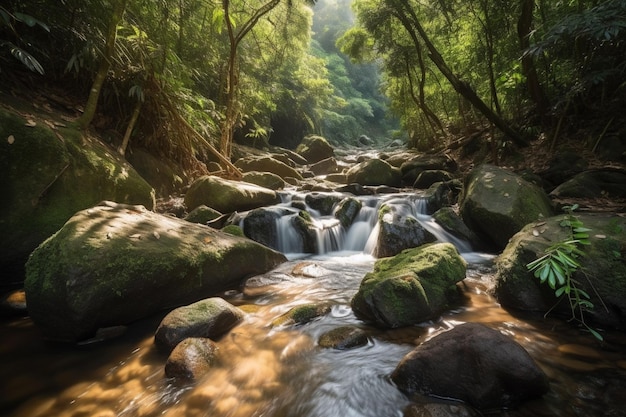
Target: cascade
column 325, row 233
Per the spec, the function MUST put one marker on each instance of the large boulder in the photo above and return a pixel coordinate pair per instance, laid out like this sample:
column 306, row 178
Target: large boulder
column 374, row 172
column 398, row 230
column 314, row 149
column 602, row 274
column 411, row 168
column 267, row 164
column 209, row 318
column 113, row 264
column 48, row 175
column 409, row 288
column 227, row 196
column 260, row 225
column 497, row 203
column 600, row 183
column 474, row 364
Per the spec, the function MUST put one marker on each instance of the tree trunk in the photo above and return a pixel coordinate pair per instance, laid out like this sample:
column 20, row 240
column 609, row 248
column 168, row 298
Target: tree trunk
column 129, row 128
column 94, row 94
column 408, row 17
column 524, row 28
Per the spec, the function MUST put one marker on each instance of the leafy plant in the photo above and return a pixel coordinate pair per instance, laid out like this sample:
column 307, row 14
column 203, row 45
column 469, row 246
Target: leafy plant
column 8, row 21
column 559, row 263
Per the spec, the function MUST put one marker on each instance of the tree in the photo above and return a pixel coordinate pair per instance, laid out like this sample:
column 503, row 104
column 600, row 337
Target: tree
column 119, row 6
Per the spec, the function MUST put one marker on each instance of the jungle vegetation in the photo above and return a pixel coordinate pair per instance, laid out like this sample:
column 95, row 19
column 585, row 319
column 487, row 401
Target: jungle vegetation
column 187, row 78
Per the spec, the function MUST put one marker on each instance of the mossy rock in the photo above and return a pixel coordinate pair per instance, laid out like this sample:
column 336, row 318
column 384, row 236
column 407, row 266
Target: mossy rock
column 347, row 210
column 301, row 314
column 602, row 275
column 314, row 149
column 411, row 287
column 497, row 203
column 202, row 215
column 265, row 179
column 343, row 338
column 113, row 264
column 374, row 172
column 323, row 202
column 50, row 174
column 399, row 230
column 267, row 164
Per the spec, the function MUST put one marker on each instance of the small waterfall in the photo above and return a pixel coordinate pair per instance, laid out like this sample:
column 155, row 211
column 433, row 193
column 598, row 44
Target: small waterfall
column 324, row 234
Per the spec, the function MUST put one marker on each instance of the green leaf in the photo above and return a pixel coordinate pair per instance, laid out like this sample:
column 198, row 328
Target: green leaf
column 558, row 271
column 560, row 291
column 582, row 229
column 595, row 334
column 30, row 21
column 551, row 278
column 544, row 272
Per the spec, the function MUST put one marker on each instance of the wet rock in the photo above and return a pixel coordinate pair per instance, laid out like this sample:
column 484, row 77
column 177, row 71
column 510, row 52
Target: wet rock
column 265, row 179
column 323, row 202
column 409, row 288
column 374, row 172
column 260, row 225
column 309, row 270
column 414, row 166
column 301, row 314
column 227, row 196
column 606, row 183
column 314, row 149
column 452, row 223
column 442, row 194
column 497, row 203
column 191, row 358
column 114, row 264
column 474, row 364
column 602, row 274
column 440, row 410
column 305, row 228
column 399, row 230
column 325, row 166
column 267, row 164
column 347, row 210
column 13, row 304
column 428, row 177
column 209, row 318
column 342, row 338
column 202, row 215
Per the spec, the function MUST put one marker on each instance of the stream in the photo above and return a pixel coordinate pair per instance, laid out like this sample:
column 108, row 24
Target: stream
column 281, row 371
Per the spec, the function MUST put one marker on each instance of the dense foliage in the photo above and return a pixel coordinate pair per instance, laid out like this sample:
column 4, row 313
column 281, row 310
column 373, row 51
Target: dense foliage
column 531, row 62
column 184, row 78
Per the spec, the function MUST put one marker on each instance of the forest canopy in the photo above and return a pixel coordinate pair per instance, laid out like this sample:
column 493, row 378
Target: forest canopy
column 186, row 78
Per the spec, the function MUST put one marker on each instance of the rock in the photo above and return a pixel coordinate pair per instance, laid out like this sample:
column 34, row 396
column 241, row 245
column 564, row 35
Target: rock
column 13, row 304
column 301, row 314
column 474, row 364
column 602, row 276
column 233, row 229
column 414, row 166
column 209, row 318
column 342, row 338
column 192, row 358
column 260, row 225
column 339, row 178
column 114, row 264
column 305, row 228
column 265, row 179
column 293, row 156
column 442, row 194
column 605, row 183
column 563, row 166
column 440, row 409
column 452, row 223
column 497, row 203
column 227, row 196
column 398, row 230
column 364, row 140
column 165, row 176
column 47, row 176
column 314, row 149
column 374, row 172
column 202, row 215
column 428, row 177
column 347, row 210
column 409, row 288
column 323, row 202
column 267, row 164
column 325, row 166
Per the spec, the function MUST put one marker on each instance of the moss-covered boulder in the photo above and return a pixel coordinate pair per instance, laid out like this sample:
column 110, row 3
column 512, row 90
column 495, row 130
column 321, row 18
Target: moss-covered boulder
column 409, row 288
column 374, row 172
column 301, row 314
column 165, row 176
column 606, row 183
column 48, row 175
column 261, row 226
column 452, row 223
column 265, row 179
column 267, row 164
column 202, row 215
column 113, row 264
column 323, row 202
column 398, row 230
column 602, row 275
column 497, row 203
column 227, row 196
column 347, row 210
column 314, row 149
column 210, row 318
column 343, row 338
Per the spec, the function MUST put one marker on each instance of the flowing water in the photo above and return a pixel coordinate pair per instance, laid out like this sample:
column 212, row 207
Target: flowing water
column 281, row 371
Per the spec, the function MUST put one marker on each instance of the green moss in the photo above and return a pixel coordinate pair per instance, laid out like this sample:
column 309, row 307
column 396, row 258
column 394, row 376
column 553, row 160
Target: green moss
column 301, row 314
column 234, row 230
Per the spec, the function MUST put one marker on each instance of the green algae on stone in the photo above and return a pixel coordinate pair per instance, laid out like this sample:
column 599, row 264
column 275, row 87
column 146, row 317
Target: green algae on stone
column 411, row 287
column 301, row 314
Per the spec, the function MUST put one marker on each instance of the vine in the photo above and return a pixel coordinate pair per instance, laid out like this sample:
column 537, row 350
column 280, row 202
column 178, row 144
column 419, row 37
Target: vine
column 559, row 263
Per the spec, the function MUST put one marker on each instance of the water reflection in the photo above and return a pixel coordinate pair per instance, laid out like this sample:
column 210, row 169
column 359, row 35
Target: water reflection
column 282, row 372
